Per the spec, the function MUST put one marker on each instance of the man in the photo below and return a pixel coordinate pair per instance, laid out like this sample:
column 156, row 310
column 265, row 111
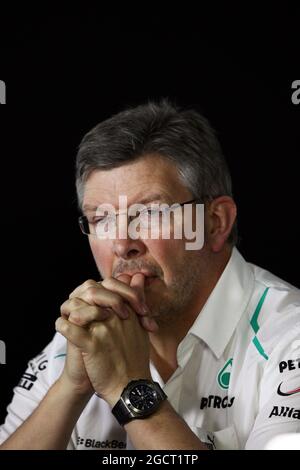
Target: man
column 177, row 347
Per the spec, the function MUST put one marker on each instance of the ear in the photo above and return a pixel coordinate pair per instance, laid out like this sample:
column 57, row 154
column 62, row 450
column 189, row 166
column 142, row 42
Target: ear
column 220, row 217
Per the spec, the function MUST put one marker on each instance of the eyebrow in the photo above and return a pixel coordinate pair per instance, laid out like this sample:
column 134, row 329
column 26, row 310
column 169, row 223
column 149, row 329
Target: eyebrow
column 145, row 200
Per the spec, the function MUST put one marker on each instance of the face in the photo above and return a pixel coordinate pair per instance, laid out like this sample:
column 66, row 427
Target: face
column 179, row 273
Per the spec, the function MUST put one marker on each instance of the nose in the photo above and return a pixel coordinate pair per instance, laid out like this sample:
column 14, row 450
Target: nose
column 128, row 248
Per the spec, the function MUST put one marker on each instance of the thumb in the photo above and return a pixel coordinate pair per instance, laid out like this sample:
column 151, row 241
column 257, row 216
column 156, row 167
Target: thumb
column 125, row 278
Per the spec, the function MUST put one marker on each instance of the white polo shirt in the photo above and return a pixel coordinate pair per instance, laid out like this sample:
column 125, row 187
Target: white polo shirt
column 238, row 375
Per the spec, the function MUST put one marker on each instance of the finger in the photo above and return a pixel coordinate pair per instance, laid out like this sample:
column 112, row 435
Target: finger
column 80, row 312
column 77, row 335
column 76, row 292
column 149, row 324
column 125, row 278
column 71, row 305
column 87, row 314
column 98, row 295
column 138, row 283
column 132, row 296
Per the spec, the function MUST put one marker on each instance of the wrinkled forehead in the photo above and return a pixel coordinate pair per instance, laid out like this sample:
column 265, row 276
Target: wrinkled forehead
column 148, row 179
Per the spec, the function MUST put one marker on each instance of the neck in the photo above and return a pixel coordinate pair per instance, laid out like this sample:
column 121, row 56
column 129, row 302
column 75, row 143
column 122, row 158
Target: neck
column 164, row 342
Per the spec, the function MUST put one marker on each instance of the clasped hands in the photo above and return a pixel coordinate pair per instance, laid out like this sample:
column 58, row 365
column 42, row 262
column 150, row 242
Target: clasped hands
column 106, row 325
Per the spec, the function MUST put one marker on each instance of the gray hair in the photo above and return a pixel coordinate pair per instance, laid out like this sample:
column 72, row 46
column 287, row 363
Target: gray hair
column 185, row 137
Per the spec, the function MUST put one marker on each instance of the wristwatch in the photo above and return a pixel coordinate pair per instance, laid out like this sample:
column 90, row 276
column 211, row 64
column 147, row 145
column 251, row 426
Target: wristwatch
column 139, row 399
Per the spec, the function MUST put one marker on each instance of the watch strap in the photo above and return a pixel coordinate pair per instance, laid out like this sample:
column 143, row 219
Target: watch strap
column 121, row 412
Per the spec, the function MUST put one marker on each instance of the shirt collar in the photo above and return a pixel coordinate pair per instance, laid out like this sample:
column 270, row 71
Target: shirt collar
column 221, row 313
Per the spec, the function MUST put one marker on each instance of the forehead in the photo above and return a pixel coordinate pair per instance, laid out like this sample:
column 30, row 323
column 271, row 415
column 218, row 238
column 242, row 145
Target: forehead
column 147, row 175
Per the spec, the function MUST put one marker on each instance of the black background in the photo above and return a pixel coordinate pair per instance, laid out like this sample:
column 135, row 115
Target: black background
column 65, row 71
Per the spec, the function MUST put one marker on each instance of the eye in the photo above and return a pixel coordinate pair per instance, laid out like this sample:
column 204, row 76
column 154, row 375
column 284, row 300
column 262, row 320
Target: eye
column 99, row 220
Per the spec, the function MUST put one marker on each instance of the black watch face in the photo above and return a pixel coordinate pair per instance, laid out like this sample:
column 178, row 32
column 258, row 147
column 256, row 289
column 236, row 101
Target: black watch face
column 143, row 397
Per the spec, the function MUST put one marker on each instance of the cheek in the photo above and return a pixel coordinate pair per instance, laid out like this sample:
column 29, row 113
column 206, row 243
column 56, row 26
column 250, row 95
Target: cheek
column 102, row 256
column 168, row 255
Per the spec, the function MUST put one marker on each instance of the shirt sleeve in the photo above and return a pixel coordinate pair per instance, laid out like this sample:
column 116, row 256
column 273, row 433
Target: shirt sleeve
column 279, row 399
column 32, row 387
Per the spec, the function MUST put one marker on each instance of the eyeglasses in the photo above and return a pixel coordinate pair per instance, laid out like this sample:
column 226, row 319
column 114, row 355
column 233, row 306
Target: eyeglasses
column 150, row 217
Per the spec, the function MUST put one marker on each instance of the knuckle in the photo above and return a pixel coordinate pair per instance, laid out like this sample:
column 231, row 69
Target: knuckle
column 74, row 303
column 73, row 294
column 64, row 327
column 74, row 316
column 92, row 313
column 99, row 330
column 91, row 293
column 69, row 305
column 88, row 283
column 64, row 306
column 77, row 319
column 107, row 282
